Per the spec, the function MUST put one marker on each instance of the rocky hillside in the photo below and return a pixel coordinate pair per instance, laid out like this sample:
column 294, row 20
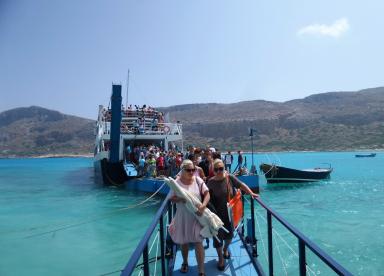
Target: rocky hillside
column 35, row 131
column 328, row 121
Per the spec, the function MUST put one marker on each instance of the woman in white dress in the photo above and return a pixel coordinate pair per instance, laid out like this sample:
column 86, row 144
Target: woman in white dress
column 185, row 228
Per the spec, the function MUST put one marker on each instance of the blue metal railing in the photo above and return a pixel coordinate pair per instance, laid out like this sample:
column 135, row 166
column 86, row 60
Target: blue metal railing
column 303, row 243
column 249, row 240
column 142, row 249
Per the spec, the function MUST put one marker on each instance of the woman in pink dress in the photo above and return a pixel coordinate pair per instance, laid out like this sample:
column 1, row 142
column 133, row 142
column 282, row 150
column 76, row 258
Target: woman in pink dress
column 185, row 228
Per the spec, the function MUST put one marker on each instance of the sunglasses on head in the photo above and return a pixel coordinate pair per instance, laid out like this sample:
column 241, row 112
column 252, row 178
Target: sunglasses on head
column 220, row 169
column 189, row 170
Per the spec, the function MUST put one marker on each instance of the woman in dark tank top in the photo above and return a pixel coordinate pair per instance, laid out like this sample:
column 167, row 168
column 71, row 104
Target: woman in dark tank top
column 218, row 190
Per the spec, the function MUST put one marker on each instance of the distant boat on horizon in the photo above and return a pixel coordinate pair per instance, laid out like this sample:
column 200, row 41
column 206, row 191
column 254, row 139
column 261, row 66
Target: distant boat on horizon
column 277, row 174
column 366, row 155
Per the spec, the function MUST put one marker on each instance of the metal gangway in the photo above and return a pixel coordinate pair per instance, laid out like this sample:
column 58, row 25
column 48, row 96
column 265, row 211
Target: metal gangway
column 164, row 258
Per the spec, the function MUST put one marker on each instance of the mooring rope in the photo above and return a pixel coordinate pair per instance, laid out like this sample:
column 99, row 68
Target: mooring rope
column 104, row 216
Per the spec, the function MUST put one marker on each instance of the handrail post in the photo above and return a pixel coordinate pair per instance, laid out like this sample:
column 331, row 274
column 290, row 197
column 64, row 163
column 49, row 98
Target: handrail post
column 270, row 245
column 170, row 246
column 302, row 261
column 242, row 226
column 162, row 248
column 146, row 261
column 254, row 241
column 169, row 212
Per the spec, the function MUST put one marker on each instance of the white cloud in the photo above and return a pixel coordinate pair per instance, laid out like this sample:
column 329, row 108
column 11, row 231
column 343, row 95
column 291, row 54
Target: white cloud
column 335, row 30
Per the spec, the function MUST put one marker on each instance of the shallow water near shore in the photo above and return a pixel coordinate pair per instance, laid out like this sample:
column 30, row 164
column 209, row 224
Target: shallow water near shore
column 342, row 215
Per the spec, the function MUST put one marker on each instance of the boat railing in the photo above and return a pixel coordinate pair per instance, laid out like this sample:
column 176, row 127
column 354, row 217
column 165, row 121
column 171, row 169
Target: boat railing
column 304, row 243
column 132, row 114
column 247, row 234
column 141, row 113
column 142, row 259
column 129, row 127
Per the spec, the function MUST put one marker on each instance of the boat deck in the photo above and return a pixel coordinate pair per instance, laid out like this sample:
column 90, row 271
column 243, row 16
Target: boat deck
column 239, row 264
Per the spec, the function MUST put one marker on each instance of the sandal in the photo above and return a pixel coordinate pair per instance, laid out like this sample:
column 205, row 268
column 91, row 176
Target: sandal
column 221, row 267
column 226, row 255
column 184, row 268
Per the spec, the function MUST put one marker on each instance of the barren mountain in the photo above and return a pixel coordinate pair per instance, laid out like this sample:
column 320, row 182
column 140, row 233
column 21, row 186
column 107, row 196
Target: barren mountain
column 34, row 131
column 327, row 121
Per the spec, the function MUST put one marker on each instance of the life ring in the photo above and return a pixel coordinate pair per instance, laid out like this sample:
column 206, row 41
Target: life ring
column 167, row 129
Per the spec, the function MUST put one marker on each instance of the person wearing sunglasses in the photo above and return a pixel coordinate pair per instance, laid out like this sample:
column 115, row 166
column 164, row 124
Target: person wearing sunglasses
column 185, row 228
column 218, row 189
column 199, row 171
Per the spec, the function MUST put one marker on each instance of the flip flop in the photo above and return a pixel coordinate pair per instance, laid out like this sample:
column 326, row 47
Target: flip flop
column 184, row 268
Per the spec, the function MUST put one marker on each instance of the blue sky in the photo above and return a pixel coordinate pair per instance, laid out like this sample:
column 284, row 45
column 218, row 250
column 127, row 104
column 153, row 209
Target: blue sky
column 64, row 55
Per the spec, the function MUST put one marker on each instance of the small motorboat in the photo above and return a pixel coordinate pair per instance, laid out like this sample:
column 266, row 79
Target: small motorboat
column 366, row 155
column 276, row 174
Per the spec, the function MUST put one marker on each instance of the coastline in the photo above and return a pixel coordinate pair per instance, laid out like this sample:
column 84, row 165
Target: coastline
column 50, row 155
column 306, row 151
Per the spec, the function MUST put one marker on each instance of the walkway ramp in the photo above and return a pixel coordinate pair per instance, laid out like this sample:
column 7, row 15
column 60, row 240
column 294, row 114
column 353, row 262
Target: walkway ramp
column 142, row 260
column 239, row 264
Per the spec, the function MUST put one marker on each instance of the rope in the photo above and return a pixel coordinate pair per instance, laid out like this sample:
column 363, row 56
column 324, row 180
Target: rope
column 262, row 241
column 270, row 162
column 281, row 258
column 153, row 242
column 277, row 157
column 106, row 215
column 110, row 273
column 272, row 166
column 157, row 250
column 282, row 239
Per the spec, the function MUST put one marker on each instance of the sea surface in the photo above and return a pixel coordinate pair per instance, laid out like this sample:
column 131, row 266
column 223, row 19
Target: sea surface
column 55, row 219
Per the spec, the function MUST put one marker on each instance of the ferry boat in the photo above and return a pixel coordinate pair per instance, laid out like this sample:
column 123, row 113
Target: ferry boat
column 119, row 131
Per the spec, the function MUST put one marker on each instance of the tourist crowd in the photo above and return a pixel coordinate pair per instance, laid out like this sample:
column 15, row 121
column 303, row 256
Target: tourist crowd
column 153, row 161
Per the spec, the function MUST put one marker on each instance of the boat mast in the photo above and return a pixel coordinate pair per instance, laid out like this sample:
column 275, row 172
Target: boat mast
column 126, row 99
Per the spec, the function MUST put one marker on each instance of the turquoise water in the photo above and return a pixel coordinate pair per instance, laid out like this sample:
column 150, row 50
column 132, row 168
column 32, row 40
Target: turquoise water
column 40, row 195
column 343, row 215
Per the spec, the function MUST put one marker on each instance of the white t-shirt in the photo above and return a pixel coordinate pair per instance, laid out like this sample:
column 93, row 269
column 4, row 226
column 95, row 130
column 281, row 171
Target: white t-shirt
column 228, row 159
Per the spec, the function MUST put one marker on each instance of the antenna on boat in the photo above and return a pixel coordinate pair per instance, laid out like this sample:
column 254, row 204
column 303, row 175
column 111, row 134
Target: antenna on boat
column 253, row 167
column 126, row 102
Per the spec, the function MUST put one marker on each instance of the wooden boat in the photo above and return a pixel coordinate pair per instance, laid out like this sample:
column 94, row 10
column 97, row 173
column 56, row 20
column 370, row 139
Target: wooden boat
column 366, row 155
column 276, row 174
